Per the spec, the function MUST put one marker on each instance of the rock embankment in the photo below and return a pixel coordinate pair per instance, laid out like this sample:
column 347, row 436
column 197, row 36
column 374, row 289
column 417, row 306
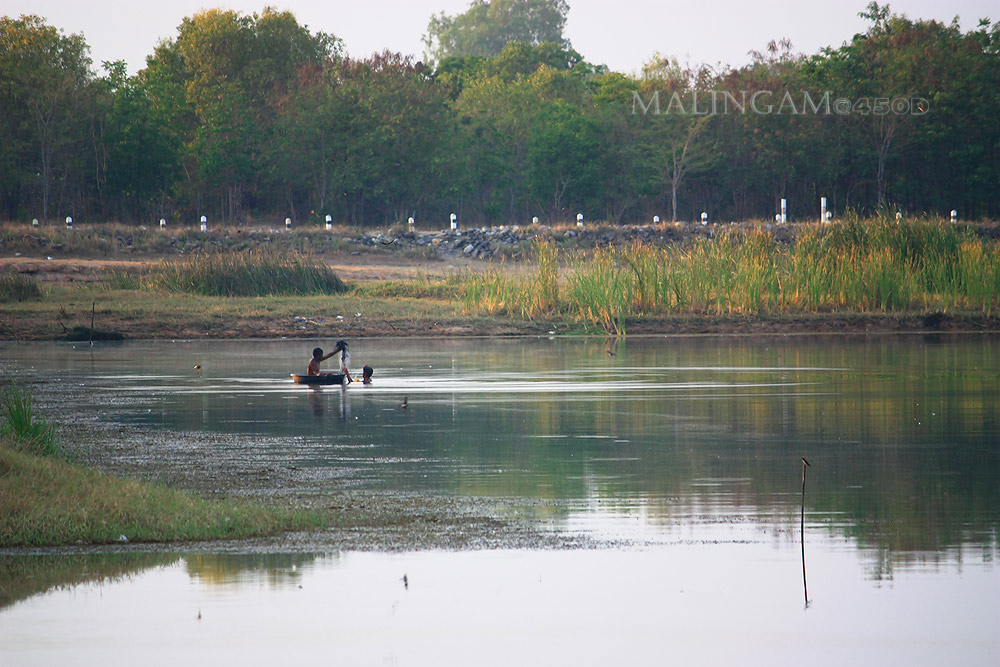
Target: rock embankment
column 511, row 242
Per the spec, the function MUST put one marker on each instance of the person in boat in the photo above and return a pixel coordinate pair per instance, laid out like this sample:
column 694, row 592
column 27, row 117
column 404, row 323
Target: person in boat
column 317, row 358
column 366, row 374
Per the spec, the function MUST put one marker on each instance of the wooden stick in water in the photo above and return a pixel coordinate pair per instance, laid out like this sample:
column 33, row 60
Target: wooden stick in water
column 802, row 529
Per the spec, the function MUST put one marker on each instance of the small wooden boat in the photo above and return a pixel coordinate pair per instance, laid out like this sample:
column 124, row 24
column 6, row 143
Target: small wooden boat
column 325, row 378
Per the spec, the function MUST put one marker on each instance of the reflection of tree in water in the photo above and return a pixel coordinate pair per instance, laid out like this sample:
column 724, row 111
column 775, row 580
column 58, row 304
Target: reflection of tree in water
column 277, row 570
column 22, row 577
column 898, row 429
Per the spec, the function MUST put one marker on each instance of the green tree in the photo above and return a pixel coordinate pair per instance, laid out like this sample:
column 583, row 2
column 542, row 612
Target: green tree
column 506, row 113
column 486, row 27
column 362, row 137
column 45, row 92
column 677, row 126
column 140, row 151
column 230, row 68
column 564, row 160
column 923, row 121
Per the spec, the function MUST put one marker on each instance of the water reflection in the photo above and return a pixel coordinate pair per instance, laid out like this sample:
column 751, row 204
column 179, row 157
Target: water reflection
column 590, row 433
column 232, row 572
column 504, row 607
column 22, row 577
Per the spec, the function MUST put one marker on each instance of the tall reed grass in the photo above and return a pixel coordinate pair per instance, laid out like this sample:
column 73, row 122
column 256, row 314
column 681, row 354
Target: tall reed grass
column 29, row 434
column 860, row 266
column 236, row 274
column 529, row 297
column 16, row 288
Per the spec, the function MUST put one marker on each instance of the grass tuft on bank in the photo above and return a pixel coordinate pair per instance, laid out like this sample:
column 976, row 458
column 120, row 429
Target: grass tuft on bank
column 15, row 288
column 31, row 435
column 235, row 274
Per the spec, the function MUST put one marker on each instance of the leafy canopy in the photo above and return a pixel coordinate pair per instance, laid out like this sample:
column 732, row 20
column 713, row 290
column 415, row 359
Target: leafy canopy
column 486, row 27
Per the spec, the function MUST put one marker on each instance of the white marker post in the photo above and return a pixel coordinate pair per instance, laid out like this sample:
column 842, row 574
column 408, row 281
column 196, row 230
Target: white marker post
column 954, row 215
column 822, row 209
column 204, row 223
column 329, row 223
column 704, row 217
column 534, row 220
column 784, row 210
column 69, row 222
column 409, row 222
column 163, row 223
column 288, row 223
column 579, row 219
column 454, row 222
column 656, row 219
column 34, row 222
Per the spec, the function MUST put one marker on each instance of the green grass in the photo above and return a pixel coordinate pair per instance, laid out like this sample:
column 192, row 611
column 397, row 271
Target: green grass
column 449, row 287
column 49, row 501
column 19, row 423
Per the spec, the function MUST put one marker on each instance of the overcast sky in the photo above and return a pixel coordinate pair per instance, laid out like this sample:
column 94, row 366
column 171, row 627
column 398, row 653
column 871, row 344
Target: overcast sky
column 622, row 34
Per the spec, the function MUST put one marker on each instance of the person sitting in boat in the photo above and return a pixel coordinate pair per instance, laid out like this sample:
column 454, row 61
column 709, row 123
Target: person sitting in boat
column 318, row 356
column 366, row 374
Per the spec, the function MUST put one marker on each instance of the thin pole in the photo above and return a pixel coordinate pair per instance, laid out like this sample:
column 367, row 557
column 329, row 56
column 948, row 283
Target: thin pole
column 93, row 309
column 802, row 529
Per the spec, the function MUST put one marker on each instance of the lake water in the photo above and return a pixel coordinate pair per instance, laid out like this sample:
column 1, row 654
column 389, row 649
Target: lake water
column 667, row 472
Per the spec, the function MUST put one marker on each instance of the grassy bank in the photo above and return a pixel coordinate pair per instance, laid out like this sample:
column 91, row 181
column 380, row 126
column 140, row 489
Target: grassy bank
column 46, row 500
column 879, row 272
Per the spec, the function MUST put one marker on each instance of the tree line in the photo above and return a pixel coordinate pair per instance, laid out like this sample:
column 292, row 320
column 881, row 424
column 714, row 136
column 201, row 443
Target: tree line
column 255, row 117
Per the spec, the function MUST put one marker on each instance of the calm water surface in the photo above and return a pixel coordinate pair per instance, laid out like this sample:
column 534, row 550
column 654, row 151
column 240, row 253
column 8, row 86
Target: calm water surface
column 680, row 458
